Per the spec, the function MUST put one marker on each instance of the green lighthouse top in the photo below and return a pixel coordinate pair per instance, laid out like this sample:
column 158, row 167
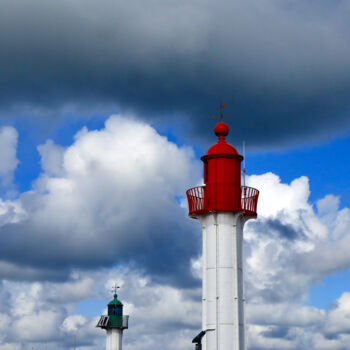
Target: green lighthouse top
column 115, row 317
column 115, row 301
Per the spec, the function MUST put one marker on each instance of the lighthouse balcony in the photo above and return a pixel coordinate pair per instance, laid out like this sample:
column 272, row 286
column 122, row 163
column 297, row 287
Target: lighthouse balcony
column 202, row 200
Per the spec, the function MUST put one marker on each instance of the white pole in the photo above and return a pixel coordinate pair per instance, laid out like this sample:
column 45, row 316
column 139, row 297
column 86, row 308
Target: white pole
column 114, row 339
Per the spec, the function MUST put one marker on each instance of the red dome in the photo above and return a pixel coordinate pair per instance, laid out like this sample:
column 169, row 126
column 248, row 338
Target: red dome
column 221, row 130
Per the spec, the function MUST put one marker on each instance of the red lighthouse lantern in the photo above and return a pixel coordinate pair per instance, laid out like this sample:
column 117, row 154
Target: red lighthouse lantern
column 222, row 174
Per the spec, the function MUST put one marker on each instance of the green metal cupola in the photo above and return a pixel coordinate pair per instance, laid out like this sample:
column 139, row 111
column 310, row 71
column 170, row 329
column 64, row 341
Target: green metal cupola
column 114, row 318
column 115, row 306
column 115, row 311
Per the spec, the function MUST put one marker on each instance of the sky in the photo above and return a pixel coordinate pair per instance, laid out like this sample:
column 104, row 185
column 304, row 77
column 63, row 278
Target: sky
column 105, row 111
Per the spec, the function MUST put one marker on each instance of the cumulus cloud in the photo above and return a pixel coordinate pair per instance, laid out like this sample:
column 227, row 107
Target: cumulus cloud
column 288, row 249
column 287, row 59
column 288, row 240
column 71, row 323
column 338, row 320
column 29, row 315
column 109, row 198
column 51, row 158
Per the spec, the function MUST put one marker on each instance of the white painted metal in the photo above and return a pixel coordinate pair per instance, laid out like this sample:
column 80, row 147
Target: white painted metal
column 114, row 339
column 223, row 299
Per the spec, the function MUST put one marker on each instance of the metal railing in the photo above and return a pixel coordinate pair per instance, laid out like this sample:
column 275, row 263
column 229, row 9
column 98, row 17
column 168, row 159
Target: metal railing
column 249, row 200
column 196, row 200
column 195, row 197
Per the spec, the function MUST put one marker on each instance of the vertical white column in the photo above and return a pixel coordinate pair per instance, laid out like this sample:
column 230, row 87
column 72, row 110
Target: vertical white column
column 223, row 300
column 204, row 283
column 240, row 282
column 209, row 262
column 114, row 339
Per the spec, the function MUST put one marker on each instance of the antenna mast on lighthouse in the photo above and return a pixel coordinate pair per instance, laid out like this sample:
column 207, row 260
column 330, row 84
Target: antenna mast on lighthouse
column 222, row 206
column 243, row 163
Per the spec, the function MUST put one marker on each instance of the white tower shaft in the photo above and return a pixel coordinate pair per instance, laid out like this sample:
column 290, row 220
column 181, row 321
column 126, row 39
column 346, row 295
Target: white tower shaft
column 114, row 339
column 223, row 291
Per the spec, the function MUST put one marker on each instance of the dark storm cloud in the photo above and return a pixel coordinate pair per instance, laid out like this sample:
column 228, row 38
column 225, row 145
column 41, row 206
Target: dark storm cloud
column 282, row 67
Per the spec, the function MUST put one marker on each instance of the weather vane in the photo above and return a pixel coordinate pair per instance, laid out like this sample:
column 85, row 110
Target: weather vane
column 221, row 116
column 115, row 288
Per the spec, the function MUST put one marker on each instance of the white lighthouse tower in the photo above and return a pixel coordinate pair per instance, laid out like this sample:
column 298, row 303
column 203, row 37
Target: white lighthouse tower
column 222, row 206
column 114, row 324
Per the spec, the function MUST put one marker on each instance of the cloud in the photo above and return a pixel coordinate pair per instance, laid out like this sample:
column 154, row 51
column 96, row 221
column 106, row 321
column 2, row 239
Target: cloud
column 161, row 317
column 71, row 323
column 284, row 315
column 109, row 198
column 278, row 65
column 52, row 158
column 338, row 320
column 290, row 247
column 8, row 157
column 29, row 316
column 291, row 244
column 157, row 312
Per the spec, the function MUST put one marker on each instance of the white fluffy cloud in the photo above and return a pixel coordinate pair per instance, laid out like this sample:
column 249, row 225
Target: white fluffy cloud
column 291, row 246
column 108, row 198
column 338, row 318
column 286, row 243
column 104, row 210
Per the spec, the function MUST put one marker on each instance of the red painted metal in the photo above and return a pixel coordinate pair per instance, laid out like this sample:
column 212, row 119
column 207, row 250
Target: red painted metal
column 198, row 201
column 222, row 179
column 249, row 201
column 222, row 166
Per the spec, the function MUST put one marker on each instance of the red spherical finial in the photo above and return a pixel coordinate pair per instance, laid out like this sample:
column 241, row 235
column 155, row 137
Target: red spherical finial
column 221, row 129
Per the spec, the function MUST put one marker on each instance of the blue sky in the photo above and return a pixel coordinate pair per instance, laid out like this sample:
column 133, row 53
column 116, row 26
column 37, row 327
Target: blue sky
column 105, row 111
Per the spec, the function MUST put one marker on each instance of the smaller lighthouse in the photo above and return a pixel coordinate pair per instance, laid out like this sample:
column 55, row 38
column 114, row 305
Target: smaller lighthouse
column 114, row 324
